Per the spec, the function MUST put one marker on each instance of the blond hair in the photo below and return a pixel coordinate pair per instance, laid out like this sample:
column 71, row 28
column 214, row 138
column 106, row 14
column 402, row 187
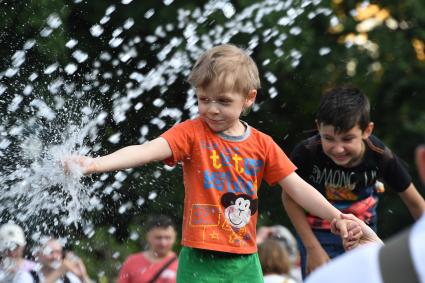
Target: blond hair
column 228, row 67
column 274, row 257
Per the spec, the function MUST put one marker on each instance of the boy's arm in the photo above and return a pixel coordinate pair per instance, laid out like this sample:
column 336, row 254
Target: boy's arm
column 413, row 200
column 127, row 157
column 316, row 255
column 309, row 198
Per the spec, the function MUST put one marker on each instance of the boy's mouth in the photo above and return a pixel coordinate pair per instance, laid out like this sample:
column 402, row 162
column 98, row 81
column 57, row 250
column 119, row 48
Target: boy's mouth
column 340, row 157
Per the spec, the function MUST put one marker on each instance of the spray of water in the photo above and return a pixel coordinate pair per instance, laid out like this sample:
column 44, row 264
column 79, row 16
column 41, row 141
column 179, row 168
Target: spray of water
column 38, row 185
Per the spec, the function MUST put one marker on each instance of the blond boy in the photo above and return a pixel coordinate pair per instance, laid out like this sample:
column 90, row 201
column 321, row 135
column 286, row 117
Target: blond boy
column 224, row 161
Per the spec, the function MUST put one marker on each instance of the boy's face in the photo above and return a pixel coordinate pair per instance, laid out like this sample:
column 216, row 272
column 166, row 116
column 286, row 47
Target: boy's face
column 221, row 111
column 347, row 148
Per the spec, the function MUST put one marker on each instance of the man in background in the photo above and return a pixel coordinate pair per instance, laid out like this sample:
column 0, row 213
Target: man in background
column 158, row 263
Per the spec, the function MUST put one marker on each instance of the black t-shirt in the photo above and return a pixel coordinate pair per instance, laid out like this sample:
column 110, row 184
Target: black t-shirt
column 351, row 190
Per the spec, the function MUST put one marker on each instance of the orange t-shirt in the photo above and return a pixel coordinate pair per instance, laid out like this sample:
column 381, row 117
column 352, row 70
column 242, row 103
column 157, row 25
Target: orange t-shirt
column 222, row 175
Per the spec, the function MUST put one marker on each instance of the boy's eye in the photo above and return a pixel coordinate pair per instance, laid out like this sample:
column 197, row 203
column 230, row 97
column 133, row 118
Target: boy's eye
column 224, row 101
column 203, row 99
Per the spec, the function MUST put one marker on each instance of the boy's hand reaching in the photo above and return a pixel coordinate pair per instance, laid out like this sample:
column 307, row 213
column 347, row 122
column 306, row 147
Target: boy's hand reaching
column 81, row 164
column 358, row 232
column 348, row 229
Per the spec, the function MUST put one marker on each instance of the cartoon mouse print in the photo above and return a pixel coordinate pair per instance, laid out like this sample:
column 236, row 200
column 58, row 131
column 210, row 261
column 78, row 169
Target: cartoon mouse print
column 238, row 208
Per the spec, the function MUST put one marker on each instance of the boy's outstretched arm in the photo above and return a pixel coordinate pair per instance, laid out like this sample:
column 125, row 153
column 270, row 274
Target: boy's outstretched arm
column 316, row 255
column 414, row 201
column 309, row 198
column 127, row 157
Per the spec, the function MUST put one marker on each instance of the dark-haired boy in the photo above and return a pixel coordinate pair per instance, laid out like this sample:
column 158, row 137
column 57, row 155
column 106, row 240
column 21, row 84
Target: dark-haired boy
column 343, row 162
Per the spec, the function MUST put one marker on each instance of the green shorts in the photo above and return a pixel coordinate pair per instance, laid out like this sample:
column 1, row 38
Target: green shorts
column 203, row 266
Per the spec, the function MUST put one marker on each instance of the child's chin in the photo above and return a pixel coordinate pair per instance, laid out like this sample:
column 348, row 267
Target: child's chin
column 340, row 162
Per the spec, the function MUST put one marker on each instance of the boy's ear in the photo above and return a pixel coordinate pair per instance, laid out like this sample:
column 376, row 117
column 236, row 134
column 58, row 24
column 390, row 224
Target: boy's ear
column 368, row 131
column 250, row 98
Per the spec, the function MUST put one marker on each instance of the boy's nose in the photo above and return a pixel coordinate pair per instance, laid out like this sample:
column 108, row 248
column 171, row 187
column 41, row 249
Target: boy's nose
column 338, row 148
column 213, row 108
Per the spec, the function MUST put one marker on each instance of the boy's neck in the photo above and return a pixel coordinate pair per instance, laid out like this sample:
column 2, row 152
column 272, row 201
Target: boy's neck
column 240, row 131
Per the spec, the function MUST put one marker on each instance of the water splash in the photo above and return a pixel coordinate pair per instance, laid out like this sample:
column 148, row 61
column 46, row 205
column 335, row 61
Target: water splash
column 37, row 185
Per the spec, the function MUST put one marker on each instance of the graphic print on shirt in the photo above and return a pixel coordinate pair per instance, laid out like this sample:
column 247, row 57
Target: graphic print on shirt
column 234, row 177
column 237, row 212
column 229, row 171
column 347, row 190
column 238, row 209
column 340, row 184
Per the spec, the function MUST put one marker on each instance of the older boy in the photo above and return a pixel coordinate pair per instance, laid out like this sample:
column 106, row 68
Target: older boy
column 343, row 162
column 376, row 266
column 224, row 161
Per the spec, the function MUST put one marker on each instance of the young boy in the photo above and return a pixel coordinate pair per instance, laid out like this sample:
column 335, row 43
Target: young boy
column 224, row 161
column 343, row 162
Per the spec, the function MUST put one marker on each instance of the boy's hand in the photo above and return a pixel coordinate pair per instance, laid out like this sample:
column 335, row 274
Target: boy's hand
column 345, row 227
column 356, row 237
column 80, row 164
column 354, row 231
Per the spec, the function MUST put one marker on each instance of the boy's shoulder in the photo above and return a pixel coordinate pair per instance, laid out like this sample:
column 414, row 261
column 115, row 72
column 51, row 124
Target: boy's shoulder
column 195, row 124
column 308, row 147
column 374, row 144
column 312, row 144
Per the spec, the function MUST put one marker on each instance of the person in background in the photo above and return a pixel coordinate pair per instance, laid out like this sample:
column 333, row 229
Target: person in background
column 12, row 246
column 288, row 242
column 275, row 262
column 344, row 162
column 403, row 260
column 53, row 266
column 158, row 263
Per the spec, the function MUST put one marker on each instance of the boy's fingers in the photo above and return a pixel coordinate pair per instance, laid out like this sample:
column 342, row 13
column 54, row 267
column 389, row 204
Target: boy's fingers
column 333, row 226
column 342, row 228
column 357, row 232
column 348, row 217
